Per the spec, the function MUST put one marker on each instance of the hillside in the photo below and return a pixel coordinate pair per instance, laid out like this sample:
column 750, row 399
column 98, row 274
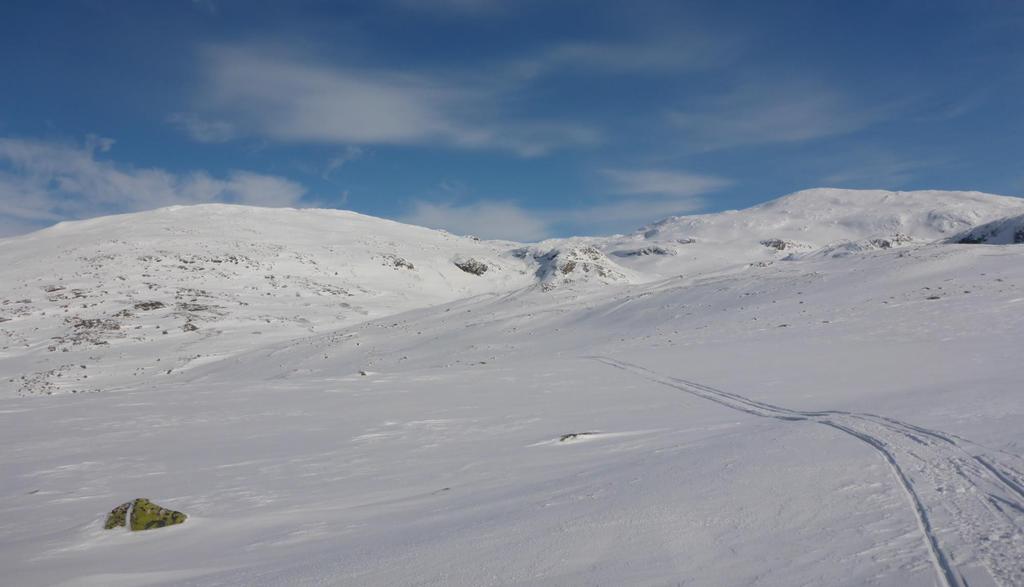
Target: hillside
column 139, row 297
column 819, row 390
column 134, row 296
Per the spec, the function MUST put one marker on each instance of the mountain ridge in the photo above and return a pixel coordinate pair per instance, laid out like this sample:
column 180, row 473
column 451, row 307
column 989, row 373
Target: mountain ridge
column 192, row 283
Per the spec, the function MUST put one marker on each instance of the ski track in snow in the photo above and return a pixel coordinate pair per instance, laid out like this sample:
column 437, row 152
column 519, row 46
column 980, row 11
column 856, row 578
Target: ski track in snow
column 957, row 488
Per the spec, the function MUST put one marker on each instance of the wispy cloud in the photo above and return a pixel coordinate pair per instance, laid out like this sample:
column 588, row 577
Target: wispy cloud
column 43, row 182
column 350, row 153
column 625, row 215
column 872, row 166
column 780, row 111
column 488, row 219
column 202, row 130
column 638, row 196
column 659, row 182
column 293, row 99
column 634, row 198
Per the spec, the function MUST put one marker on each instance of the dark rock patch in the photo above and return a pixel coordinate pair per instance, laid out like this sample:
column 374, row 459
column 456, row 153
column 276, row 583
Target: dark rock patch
column 778, row 244
column 151, row 305
column 574, row 436
column 643, row 252
column 472, row 266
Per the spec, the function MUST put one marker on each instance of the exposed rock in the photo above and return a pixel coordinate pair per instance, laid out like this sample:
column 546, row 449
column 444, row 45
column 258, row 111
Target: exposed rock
column 191, row 307
column 118, row 517
column 472, row 266
column 574, row 436
column 893, row 241
column 397, row 262
column 849, row 248
column 577, row 264
column 779, row 244
column 94, row 324
column 651, row 250
column 152, row 305
column 142, row 514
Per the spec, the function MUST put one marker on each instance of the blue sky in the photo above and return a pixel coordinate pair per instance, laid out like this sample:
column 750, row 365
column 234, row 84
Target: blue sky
column 512, row 119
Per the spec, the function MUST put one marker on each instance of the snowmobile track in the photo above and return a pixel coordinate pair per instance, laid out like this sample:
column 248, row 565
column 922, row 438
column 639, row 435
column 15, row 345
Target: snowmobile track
column 969, row 504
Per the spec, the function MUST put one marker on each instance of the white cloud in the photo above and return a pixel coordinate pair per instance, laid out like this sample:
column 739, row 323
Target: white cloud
column 296, row 100
column 45, row 182
column 201, row 130
column 273, row 92
column 647, row 182
column 776, row 111
column 487, row 219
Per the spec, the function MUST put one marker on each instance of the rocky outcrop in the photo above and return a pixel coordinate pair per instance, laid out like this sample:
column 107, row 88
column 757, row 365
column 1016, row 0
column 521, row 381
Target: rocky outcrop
column 849, row 248
column 783, row 245
column 397, row 262
column 645, row 251
column 472, row 266
column 578, row 264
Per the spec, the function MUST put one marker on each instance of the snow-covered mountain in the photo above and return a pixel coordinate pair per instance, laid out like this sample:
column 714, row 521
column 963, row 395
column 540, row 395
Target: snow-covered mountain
column 101, row 304
column 782, row 394
column 813, row 221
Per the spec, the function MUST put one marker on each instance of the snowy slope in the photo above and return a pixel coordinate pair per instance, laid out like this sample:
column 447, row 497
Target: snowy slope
column 143, row 296
column 998, row 232
column 808, row 221
column 656, row 419
column 138, row 295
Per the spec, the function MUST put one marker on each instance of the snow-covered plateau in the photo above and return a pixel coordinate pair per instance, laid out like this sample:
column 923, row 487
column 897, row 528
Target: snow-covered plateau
column 826, row 389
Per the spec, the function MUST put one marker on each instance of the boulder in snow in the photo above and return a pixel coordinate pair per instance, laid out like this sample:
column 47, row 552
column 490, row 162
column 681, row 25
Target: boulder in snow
column 142, row 514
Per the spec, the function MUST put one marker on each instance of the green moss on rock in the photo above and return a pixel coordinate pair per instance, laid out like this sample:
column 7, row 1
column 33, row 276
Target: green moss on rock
column 118, row 517
column 144, row 515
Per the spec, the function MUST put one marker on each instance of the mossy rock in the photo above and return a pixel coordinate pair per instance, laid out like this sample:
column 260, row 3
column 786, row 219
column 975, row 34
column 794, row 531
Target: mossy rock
column 118, row 517
column 143, row 515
